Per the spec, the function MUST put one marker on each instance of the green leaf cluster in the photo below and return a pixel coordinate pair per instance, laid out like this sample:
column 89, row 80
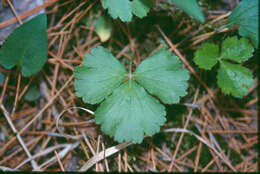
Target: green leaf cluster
column 246, row 15
column 128, row 111
column 124, row 9
column 26, row 46
column 232, row 78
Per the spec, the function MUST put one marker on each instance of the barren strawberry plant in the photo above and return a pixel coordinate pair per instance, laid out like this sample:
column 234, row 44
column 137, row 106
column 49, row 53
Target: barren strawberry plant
column 130, row 86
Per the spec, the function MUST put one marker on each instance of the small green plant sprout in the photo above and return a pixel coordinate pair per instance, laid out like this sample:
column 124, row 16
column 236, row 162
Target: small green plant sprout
column 127, row 111
column 33, row 93
column 26, row 46
column 124, row 9
column 104, row 27
column 232, row 78
column 191, row 7
column 246, row 16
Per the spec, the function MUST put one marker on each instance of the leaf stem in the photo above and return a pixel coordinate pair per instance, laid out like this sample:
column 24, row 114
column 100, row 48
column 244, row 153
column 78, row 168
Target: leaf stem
column 130, row 73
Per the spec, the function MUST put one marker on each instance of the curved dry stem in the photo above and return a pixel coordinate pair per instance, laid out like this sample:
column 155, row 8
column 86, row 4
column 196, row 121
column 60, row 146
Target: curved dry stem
column 60, row 115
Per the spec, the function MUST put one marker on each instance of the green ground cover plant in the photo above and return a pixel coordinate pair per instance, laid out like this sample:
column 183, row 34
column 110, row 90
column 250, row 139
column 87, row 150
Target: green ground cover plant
column 172, row 80
column 129, row 112
column 232, row 78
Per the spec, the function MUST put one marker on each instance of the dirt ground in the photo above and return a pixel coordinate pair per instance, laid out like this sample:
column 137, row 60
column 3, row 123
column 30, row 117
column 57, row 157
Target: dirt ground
column 207, row 132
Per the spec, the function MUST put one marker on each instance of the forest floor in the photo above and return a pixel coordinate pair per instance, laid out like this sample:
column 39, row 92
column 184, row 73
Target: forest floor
column 207, row 132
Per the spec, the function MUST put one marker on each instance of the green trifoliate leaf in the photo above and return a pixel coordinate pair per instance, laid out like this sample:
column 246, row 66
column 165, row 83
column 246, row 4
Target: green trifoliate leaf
column 191, row 7
column 236, row 50
column 124, row 9
column 163, row 76
column 129, row 113
column 104, row 28
column 246, row 16
column 26, row 46
column 99, row 75
column 207, row 56
column 234, row 79
column 141, row 7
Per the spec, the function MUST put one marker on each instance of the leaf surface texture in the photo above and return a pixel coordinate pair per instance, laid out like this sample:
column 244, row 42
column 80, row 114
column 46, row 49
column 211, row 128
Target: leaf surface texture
column 26, row 46
column 246, row 15
column 162, row 75
column 191, row 7
column 99, row 75
column 129, row 113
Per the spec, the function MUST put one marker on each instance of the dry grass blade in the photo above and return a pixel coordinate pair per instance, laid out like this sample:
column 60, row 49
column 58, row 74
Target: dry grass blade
column 61, row 154
column 103, row 154
column 49, row 150
column 59, row 161
column 6, row 168
column 34, row 164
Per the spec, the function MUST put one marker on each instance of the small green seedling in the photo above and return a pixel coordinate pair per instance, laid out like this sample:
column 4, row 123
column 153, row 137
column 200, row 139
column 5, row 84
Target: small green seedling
column 33, row 93
column 26, row 46
column 104, row 27
column 128, row 111
column 232, row 78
